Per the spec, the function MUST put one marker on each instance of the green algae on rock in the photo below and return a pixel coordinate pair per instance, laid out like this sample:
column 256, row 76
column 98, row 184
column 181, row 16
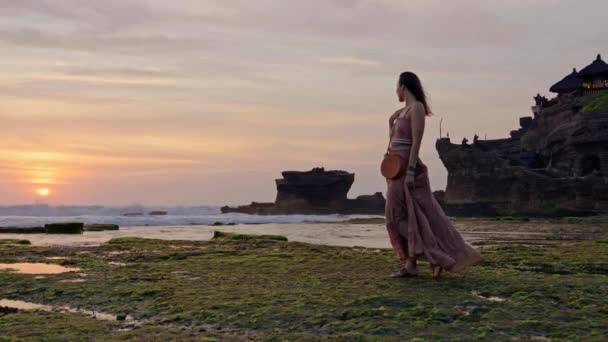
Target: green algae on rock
column 267, row 289
column 233, row 236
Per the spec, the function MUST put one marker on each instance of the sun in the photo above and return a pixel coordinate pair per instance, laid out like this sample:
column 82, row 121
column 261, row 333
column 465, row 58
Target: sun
column 43, row 191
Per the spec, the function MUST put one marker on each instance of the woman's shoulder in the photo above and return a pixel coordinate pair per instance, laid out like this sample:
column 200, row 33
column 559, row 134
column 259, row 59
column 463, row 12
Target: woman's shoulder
column 418, row 106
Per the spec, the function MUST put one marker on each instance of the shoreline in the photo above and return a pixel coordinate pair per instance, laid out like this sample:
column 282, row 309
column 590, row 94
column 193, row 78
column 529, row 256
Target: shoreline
column 357, row 232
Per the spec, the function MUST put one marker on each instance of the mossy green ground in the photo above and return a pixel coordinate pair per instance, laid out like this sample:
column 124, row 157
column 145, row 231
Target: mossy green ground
column 234, row 288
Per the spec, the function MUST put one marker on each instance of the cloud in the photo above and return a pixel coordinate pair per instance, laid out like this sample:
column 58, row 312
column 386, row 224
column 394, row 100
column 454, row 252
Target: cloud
column 90, row 42
column 276, row 84
column 75, row 70
column 351, row 61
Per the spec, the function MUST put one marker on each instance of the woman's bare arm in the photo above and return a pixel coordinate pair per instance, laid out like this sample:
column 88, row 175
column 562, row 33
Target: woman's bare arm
column 417, row 118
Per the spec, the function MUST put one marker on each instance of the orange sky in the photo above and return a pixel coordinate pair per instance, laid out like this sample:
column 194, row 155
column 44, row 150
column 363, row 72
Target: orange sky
column 204, row 102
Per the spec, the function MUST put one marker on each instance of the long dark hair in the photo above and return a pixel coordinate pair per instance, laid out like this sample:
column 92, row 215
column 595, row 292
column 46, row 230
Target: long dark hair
column 412, row 83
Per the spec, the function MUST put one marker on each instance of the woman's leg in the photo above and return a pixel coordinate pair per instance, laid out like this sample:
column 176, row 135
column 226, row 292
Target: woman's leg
column 396, row 225
column 395, row 217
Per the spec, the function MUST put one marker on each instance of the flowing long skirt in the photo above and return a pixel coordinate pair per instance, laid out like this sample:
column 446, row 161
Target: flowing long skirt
column 418, row 226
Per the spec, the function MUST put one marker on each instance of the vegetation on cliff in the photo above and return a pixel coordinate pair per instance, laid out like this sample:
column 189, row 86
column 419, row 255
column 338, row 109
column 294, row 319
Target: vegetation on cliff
column 596, row 102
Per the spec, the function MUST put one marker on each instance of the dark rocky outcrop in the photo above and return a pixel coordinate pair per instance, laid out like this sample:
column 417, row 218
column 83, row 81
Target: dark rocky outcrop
column 100, row 227
column 64, row 228
column 314, row 192
column 59, row 228
column 22, row 230
column 556, row 159
column 133, row 214
column 217, row 223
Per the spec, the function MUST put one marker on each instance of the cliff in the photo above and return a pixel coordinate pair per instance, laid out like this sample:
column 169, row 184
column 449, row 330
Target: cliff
column 556, row 159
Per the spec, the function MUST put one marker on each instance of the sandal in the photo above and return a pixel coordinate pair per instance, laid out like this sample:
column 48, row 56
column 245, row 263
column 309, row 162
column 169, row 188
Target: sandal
column 402, row 273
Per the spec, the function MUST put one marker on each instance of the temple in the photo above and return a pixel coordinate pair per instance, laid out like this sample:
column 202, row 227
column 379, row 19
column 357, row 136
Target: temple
column 568, row 84
column 592, row 78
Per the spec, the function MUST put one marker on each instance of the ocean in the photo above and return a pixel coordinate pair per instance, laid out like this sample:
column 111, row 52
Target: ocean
column 39, row 214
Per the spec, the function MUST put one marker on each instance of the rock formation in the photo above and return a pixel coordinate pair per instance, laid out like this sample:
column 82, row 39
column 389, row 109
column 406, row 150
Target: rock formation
column 64, row 228
column 314, row 192
column 556, row 159
column 100, row 227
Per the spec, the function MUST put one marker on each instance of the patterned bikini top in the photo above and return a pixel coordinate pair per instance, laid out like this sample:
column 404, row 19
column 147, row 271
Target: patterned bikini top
column 401, row 130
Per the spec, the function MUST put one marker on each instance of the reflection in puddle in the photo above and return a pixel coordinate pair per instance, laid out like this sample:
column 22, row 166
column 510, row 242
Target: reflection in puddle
column 36, row 268
column 22, row 305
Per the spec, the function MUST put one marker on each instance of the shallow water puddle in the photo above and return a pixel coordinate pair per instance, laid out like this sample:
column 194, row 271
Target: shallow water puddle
column 56, row 258
column 115, row 263
column 94, row 314
column 22, row 305
column 36, row 268
column 77, row 280
column 117, row 252
column 465, row 310
column 184, row 275
column 490, row 299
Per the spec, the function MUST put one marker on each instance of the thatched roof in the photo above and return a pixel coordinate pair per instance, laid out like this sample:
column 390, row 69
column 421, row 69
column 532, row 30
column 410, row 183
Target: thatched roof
column 598, row 66
column 567, row 84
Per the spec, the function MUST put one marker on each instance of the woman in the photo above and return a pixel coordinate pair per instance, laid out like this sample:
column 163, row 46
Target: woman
column 416, row 224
